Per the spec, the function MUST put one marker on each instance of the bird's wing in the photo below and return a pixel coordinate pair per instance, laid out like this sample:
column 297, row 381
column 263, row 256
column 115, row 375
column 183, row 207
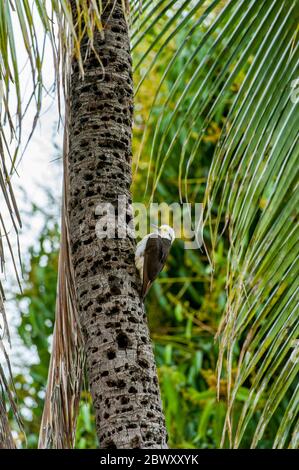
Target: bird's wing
column 155, row 254
column 166, row 247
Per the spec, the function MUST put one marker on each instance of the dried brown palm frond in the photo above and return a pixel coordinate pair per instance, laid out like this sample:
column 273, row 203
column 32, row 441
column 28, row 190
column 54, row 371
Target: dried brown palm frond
column 6, row 439
column 67, row 361
column 7, row 396
column 66, row 368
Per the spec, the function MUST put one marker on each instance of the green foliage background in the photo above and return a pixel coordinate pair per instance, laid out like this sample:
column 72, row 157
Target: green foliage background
column 184, row 306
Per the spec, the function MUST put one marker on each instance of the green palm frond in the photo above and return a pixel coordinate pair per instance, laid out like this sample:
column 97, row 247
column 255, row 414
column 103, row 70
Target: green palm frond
column 253, row 179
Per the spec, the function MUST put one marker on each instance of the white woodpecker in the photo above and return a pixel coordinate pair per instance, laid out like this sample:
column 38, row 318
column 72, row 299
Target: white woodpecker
column 151, row 254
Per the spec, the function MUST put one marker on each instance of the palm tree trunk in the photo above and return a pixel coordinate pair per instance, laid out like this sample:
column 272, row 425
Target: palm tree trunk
column 121, row 368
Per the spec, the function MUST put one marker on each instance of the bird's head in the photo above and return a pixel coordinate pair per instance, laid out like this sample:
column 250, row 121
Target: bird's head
column 167, row 232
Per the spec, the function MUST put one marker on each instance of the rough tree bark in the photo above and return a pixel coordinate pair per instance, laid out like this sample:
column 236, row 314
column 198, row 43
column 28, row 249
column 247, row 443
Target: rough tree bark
column 121, row 367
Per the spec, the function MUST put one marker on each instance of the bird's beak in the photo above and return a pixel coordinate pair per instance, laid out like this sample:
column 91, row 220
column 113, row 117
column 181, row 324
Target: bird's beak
column 155, row 226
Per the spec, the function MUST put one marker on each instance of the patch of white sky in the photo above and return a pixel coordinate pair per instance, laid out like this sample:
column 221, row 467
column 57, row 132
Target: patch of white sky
column 37, row 171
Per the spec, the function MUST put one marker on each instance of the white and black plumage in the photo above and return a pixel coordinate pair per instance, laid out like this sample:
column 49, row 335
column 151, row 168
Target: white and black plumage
column 151, row 254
